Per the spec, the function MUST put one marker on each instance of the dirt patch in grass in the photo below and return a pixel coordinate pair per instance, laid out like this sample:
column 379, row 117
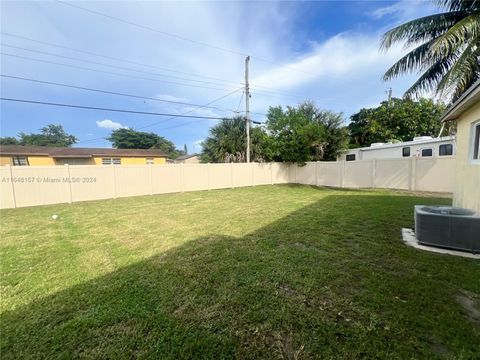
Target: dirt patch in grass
column 470, row 304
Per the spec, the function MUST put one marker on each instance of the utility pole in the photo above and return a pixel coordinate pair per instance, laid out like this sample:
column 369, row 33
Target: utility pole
column 389, row 92
column 247, row 108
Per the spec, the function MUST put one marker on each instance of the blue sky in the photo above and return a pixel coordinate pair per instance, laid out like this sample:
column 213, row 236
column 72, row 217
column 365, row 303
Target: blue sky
column 326, row 52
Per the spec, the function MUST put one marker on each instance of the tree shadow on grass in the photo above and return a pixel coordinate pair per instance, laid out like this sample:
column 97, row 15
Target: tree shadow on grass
column 329, row 280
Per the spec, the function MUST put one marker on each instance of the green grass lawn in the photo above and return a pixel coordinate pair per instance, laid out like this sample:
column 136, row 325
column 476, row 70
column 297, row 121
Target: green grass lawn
column 264, row 272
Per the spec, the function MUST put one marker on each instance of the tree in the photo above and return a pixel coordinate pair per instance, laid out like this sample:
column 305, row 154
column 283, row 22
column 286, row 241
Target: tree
column 51, row 135
column 304, row 133
column 228, row 140
column 185, row 149
column 8, row 140
column 400, row 120
column 446, row 49
column 130, row 139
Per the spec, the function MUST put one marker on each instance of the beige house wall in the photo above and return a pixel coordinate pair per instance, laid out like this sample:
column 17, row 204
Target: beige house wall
column 467, row 181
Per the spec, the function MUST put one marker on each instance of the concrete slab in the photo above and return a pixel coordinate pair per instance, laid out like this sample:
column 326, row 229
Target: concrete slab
column 409, row 238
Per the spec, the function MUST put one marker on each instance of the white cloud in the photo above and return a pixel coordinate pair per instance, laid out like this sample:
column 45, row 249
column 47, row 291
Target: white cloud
column 386, row 10
column 109, row 124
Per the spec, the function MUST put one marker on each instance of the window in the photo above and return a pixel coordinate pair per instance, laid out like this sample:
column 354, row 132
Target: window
column 350, row 157
column 19, row 161
column 150, row 161
column 110, row 161
column 445, row 149
column 476, row 142
column 427, row 152
column 406, row 152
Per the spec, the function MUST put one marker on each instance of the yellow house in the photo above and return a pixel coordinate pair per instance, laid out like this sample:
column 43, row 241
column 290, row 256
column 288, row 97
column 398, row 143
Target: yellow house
column 466, row 112
column 17, row 155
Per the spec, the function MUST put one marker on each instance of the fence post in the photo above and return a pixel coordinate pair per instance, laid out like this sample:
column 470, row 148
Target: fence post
column 342, row 175
column 295, row 172
column 181, row 177
column 150, row 174
column 316, row 173
column 12, row 186
column 209, row 186
column 114, row 181
column 253, row 173
column 412, row 186
column 374, row 172
column 271, row 173
column 231, row 174
column 69, row 184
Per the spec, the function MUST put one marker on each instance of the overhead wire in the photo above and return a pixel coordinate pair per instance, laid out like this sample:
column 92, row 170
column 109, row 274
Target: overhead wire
column 113, row 73
column 183, row 38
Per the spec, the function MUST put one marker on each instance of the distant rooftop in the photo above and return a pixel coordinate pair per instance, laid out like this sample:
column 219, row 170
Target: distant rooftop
column 185, row 157
column 63, row 152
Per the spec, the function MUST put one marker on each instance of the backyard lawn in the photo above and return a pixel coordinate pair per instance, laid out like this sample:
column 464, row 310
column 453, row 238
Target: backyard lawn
column 261, row 272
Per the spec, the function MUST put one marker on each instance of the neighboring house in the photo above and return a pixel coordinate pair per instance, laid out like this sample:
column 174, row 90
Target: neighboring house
column 466, row 112
column 188, row 159
column 423, row 146
column 17, row 155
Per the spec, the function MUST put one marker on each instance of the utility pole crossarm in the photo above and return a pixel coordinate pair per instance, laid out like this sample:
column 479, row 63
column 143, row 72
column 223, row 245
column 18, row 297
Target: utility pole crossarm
column 247, row 108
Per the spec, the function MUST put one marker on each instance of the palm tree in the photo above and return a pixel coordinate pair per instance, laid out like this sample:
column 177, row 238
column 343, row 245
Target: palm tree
column 446, row 50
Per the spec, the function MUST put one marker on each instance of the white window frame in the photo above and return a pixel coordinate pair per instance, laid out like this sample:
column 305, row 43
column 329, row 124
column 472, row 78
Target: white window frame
column 409, row 151
column 111, row 161
column 472, row 143
column 16, row 160
column 354, row 157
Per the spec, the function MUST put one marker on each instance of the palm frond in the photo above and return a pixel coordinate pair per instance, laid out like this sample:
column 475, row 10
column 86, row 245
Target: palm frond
column 420, row 30
column 411, row 62
column 462, row 74
column 459, row 5
column 465, row 31
column 429, row 80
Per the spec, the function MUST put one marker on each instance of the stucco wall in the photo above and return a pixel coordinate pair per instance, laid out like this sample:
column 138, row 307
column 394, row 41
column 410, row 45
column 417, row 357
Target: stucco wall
column 467, row 181
column 46, row 160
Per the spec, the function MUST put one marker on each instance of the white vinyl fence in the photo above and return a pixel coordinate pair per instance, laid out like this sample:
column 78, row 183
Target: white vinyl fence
column 41, row 185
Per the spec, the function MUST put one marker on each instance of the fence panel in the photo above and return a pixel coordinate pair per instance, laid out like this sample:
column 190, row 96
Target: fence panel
column 91, row 182
column 358, row 174
column 243, row 174
column 280, row 173
column 195, row 177
column 262, row 174
column 7, row 195
column 41, row 185
column 132, row 180
column 436, row 174
column 166, row 178
column 221, row 176
column 307, row 174
column 392, row 173
column 330, row 174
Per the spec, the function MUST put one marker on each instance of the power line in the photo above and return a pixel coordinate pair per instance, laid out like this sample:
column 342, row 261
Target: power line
column 153, row 124
column 114, row 58
column 178, row 37
column 113, row 66
column 111, row 72
column 112, row 92
column 266, row 89
column 109, row 109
